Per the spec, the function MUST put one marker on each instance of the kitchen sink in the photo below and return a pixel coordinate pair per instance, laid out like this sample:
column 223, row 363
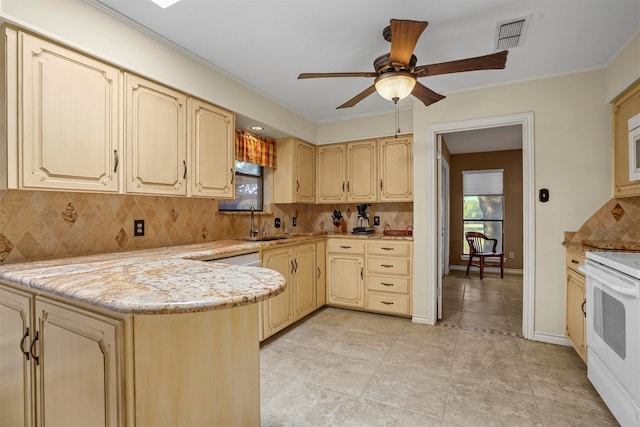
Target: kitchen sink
column 262, row 238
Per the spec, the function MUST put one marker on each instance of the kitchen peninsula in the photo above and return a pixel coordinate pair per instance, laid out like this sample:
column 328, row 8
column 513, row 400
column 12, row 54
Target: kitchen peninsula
column 154, row 337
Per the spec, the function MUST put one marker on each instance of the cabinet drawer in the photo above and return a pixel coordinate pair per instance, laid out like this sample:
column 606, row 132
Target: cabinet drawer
column 346, row 246
column 388, row 265
column 388, row 303
column 398, row 285
column 574, row 260
column 389, row 248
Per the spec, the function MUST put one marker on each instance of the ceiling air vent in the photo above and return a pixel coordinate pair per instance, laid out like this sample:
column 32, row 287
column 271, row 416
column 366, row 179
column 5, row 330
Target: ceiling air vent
column 510, row 33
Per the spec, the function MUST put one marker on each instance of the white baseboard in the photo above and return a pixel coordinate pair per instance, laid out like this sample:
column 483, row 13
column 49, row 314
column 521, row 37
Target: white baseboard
column 422, row 320
column 551, row 338
column 490, row 269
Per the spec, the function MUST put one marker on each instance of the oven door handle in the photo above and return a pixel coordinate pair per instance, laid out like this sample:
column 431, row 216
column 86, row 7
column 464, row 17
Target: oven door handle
column 607, row 281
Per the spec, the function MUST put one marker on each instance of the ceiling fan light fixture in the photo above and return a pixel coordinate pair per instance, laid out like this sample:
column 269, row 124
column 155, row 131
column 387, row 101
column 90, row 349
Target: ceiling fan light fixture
column 395, row 85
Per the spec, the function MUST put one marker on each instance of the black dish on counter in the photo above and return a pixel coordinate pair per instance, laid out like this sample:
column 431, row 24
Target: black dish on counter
column 362, row 230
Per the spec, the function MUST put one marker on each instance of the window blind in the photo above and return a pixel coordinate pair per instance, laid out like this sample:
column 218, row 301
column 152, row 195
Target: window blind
column 482, row 182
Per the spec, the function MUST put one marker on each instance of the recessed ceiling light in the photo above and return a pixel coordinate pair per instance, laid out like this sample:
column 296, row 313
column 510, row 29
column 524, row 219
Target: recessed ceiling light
column 165, row 3
column 257, row 128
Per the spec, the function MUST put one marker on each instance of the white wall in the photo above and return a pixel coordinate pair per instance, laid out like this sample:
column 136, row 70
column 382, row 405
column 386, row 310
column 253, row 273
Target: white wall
column 364, row 127
column 77, row 24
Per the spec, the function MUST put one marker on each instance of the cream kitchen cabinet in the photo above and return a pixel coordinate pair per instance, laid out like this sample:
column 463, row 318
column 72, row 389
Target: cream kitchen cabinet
column 294, row 178
column 321, row 276
column 211, row 138
column 345, row 273
column 155, row 138
column 625, row 107
column 298, row 265
column 348, row 172
column 332, row 176
column 66, row 364
column 69, row 117
column 396, row 169
column 575, row 295
column 389, row 277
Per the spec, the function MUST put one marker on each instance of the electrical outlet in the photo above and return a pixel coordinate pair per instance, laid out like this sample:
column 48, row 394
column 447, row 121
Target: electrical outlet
column 376, row 220
column 276, row 223
column 511, row 255
column 138, row 227
column 295, row 221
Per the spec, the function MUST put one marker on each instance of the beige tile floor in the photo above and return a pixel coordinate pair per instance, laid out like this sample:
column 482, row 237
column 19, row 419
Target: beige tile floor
column 348, row 368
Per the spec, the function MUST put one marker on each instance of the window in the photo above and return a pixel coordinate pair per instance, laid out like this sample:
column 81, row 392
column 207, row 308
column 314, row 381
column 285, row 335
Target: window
column 483, row 204
column 249, row 185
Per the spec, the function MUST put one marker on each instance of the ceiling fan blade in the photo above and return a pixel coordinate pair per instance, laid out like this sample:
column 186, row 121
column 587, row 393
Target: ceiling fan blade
column 426, row 95
column 493, row 61
column 359, row 97
column 321, row 75
column 404, row 36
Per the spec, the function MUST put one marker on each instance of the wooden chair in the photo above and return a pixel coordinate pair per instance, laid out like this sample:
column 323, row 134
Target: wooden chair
column 478, row 244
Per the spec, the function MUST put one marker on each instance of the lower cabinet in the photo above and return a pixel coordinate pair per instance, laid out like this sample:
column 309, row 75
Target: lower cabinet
column 61, row 365
column 68, row 366
column 298, row 265
column 575, row 294
column 370, row 275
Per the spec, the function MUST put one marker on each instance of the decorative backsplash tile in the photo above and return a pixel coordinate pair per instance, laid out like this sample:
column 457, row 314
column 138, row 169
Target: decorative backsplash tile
column 41, row 225
column 618, row 220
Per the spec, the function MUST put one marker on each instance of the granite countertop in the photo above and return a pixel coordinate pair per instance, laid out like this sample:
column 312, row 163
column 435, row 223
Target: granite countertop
column 163, row 280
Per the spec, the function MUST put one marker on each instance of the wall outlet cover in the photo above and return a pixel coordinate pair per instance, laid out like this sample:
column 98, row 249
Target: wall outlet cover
column 376, row 220
column 138, row 227
column 295, row 221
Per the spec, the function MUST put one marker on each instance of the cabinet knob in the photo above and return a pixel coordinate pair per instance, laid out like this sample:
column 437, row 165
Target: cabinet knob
column 233, row 176
column 319, row 272
column 362, row 273
column 583, row 308
column 116, row 160
column 380, row 185
column 184, row 175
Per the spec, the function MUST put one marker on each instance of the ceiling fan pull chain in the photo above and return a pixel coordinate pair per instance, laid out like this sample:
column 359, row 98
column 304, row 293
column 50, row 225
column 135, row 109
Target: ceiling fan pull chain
column 395, row 102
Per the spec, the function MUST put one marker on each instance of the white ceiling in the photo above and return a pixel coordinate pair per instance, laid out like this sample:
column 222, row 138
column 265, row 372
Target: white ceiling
column 267, row 43
column 482, row 140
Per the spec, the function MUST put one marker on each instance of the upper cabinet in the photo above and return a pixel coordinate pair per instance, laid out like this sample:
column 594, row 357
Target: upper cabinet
column 156, row 118
column 69, row 117
column 377, row 170
column 212, row 140
column 75, row 123
column 396, row 169
column 624, row 107
column 294, row 178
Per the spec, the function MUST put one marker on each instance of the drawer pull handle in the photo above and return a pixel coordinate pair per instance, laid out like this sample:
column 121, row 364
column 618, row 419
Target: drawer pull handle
column 386, row 265
column 33, row 346
column 116, row 160
column 386, row 284
column 319, row 272
column 24, row 337
column 386, row 302
column 361, row 273
column 345, row 247
column 583, row 310
column 574, row 261
column 387, row 249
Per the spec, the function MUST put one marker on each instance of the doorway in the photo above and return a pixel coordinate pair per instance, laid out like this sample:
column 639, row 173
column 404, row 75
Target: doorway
column 432, row 266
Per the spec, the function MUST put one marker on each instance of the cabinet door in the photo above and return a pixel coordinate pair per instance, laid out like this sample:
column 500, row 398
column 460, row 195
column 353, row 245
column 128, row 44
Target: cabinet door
column 305, row 279
column 70, row 114
column 396, row 170
column 212, row 142
column 321, row 276
column 624, row 108
column 332, row 178
column 155, row 138
column 78, row 372
column 278, row 311
column 575, row 317
column 16, row 332
column 345, row 280
column 305, row 159
column 362, row 166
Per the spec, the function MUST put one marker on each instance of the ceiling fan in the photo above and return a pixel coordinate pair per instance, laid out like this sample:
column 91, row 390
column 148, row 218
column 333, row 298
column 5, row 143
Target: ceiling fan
column 396, row 72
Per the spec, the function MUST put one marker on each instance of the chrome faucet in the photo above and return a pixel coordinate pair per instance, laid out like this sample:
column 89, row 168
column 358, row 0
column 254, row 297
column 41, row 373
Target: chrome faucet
column 253, row 232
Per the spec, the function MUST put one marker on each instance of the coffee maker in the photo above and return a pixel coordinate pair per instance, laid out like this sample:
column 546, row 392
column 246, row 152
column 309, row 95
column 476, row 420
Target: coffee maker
column 364, row 227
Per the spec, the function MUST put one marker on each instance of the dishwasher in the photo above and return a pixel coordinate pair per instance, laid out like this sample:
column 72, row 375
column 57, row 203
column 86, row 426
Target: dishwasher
column 251, row 260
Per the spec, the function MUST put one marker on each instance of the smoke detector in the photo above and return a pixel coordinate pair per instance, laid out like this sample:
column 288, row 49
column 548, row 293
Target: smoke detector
column 511, row 33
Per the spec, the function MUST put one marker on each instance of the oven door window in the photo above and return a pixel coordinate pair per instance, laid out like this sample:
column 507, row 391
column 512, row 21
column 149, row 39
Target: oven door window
column 609, row 321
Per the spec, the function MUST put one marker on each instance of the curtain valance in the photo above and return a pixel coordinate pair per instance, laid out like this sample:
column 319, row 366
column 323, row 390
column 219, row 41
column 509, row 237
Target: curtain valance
column 254, row 149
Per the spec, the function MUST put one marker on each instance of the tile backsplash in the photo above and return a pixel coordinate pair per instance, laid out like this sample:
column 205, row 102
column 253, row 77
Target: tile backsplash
column 618, row 220
column 38, row 225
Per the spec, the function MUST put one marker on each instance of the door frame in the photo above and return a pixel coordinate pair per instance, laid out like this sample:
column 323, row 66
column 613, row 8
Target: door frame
column 528, row 196
column 443, row 221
